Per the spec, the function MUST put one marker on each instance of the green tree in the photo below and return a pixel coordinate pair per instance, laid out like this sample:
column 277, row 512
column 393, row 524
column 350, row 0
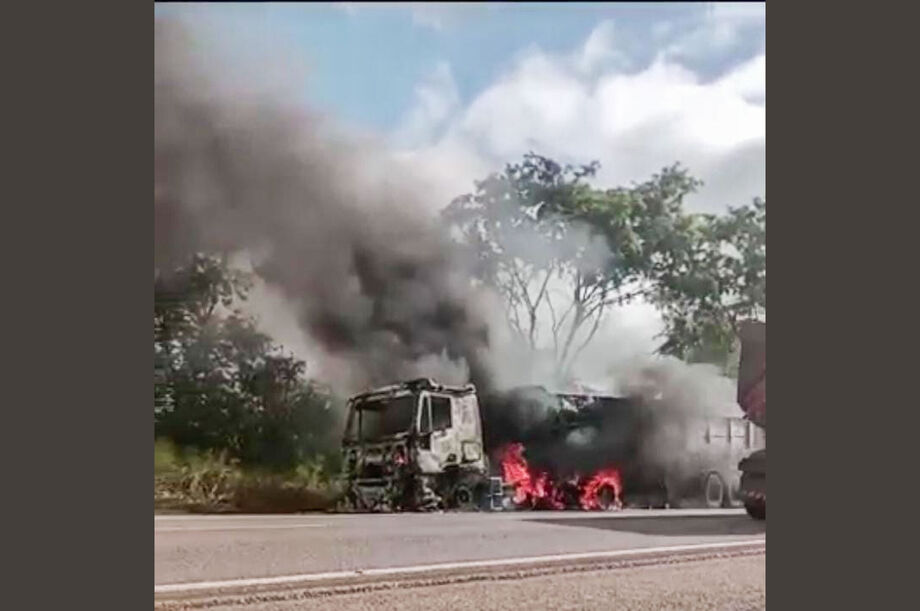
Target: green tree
column 521, row 242
column 562, row 253
column 713, row 280
column 220, row 384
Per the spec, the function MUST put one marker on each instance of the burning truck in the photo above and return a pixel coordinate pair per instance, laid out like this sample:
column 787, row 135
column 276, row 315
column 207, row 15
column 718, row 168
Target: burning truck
column 420, row 445
column 415, row 445
column 602, row 452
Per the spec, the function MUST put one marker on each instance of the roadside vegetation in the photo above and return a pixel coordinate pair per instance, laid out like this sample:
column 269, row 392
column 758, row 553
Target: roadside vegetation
column 209, row 482
column 238, row 426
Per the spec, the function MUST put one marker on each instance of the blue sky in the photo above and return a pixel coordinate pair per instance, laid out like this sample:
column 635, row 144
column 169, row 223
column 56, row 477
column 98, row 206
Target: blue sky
column 366, row 58
column 457, row 90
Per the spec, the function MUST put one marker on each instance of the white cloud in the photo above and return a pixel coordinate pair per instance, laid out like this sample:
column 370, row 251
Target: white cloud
column 349, row 7
column 435, row 99
column 582, row 106
column 428, row 15
column 738, row 11
column 600, row 50
column 749, row 79
column 723, row 27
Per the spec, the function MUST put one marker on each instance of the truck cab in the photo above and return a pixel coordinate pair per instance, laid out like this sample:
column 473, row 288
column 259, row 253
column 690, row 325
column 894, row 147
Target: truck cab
column 414, row 445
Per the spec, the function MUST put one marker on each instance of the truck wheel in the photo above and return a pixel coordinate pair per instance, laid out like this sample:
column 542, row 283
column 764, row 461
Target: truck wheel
column 714, row 492
column 470, row 493
column 756, row 509
column 463, row 498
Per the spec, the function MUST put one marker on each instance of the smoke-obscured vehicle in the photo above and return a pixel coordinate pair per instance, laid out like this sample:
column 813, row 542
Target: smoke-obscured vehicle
column 647, row 454
column 415, row 445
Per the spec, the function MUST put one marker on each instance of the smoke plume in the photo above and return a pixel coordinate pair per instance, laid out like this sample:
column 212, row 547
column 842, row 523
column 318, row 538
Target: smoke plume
column 656, row 423
column 342, row 237
column 325, row 220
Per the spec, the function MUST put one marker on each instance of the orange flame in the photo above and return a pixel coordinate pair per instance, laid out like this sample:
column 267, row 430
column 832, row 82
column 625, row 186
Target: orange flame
column 516, row 472
column 541, row 491
column 609, row 478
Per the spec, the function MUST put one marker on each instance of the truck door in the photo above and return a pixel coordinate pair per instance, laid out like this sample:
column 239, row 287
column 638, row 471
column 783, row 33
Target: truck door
column 444, row 444
column 468, row 429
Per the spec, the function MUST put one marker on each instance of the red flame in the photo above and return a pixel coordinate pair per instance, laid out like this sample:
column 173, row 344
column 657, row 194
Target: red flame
column 540, row 491
column 605, row 478
column 516, row 472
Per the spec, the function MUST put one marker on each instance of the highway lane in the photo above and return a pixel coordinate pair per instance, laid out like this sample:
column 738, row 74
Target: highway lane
column 191, row 549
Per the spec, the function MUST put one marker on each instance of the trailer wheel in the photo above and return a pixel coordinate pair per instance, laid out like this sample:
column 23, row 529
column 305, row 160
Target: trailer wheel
column 756, row 509
column 714, row 492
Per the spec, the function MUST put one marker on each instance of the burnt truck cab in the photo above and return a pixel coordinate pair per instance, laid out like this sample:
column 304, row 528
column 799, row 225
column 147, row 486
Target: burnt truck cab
column 414, row 445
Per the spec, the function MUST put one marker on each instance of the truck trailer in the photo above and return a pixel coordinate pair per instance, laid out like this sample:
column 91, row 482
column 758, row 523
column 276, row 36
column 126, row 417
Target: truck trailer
column 664, row 457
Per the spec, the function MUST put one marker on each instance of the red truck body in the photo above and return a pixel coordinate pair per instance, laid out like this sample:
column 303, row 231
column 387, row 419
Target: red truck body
column 752, row 398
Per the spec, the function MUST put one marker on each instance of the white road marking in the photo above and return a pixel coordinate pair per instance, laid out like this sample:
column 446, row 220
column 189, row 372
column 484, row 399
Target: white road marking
column 405, row 570
column 235, row 516
column 254, row 527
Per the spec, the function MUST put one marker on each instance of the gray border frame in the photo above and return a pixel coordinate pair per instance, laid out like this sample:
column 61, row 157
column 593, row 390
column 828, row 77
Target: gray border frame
column 79, row 519
column 77, row 390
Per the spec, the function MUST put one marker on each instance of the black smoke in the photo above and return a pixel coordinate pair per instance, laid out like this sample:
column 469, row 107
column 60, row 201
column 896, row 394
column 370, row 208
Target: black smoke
column 375, row 282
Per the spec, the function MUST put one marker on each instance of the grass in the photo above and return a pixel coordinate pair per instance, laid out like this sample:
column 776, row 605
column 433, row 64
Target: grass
column 211, row 483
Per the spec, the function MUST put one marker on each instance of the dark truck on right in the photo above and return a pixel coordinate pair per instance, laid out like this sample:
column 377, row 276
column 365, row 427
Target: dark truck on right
column 752, row 398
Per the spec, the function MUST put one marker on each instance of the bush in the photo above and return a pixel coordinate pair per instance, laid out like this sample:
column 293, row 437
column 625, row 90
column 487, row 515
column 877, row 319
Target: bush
column 221, row 385
column 210, row 482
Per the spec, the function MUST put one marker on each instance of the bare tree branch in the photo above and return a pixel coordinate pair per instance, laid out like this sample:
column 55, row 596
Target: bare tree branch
column 554, row 327
column 531, row 310
column 594, row 328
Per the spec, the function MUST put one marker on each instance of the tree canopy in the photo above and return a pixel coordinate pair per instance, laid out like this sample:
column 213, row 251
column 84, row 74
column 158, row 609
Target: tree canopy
column 220, row 384
column 563, row 252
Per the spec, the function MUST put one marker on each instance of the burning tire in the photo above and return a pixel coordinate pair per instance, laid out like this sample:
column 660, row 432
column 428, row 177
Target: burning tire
column 714, row 491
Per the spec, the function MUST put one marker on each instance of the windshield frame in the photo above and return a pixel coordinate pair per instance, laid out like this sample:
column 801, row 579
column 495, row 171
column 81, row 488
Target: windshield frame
column 354, row 428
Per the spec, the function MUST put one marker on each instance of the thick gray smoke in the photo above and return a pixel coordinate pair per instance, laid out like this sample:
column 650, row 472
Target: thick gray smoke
column 661, row 418
column 344, row 240
column 326, row 222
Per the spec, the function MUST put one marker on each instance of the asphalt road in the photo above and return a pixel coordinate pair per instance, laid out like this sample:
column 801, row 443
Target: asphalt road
column 194, row 554
column 209, row 548
column 727, row 583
